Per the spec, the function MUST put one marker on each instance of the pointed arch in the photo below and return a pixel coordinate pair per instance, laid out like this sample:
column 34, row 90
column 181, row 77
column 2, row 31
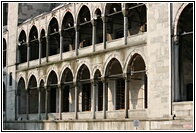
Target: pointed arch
column 21, row 92
column 22, row 47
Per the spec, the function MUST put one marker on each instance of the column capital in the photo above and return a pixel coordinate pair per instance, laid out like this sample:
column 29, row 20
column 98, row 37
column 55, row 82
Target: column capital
column 105, row 19
column 125, row 12
column 94, row 22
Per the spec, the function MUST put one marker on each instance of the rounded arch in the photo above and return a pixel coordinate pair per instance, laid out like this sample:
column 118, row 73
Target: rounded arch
column 97, row 10
column 136, row 63
column 83, row 72
column 21, row 93
column 79, row 66
column 53, row 37
column 67, row 75
column 53, row 23
column 33, row 33
column 21, row 80
column 175, row 24
column 43, row 42
column 109, row 59
column 110, row 70
column 81, row 9
column 52, row 78
column 22, row 37
column 130, row 56
column 68, row 20
column 32, row 83
column 22, row 47
column 95, row 69
column 110, row 6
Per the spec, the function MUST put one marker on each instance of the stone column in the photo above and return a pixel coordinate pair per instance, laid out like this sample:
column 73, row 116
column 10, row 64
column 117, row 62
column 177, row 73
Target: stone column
column 17, row 104
column 104, row 97
column 28, row 54
column 40, row 50
column 27, row 103
column 177, row 76
column 76, row 101
column 77, row 39
column 60, row 100
column 94, row 22
column 94, row 98
column 61, row 44
column 39, row 103
column 46, row 102
column 104, row 31
column 125, row 13
column 126, row 96
column 47, row 47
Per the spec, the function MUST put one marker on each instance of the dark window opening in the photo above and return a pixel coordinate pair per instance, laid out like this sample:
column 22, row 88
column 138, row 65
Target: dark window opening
column 4, row 53
column 43, row 44
column 10, row 80
column 33, row 44
column 99, row 27
column 43, row 96
column 189, row 91
column 53, row 100
column 54, row 38
column 68, row 33
column 22, row 47
column 100, row 96
column 115, row 23
column 146, row 92
column 21, row 92
column 65, row 98
column 86, row 97
column 85, row 30
column 120, row 94
column 136, row 18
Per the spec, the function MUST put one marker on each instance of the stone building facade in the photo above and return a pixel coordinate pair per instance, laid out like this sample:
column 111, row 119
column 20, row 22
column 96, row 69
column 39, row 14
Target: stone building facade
column 98, row 66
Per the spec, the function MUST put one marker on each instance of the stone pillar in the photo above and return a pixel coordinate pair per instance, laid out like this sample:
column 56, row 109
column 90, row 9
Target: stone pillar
column 17, row 105
column 125, row 13
column 27, row 103
column 60, row 115
column 104, row 31
column 177, row 76
column 61, row 44
column 94, row 98
column 77, row 39
column 40, row 50
column 47, row 47
column 39, row 103
column 126, row 96
column 94, row 22
column 28, row 54
column 76, row 101
column 104, row 97
column 46, row 102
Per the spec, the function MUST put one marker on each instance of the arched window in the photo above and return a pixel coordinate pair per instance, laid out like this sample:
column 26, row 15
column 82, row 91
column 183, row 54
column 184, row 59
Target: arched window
column 83, row 77
column 33, row 44
column 136, row 18
column 53, row 92
column 67, row 82
column 22, row 96
column 184, row 54
column 53, row 37
column 99, row 27
column 85, row 30
column 99, row 90
column 43, row 96
column 43, row 43
column 116, row 84
column 68, row 32
column 115, row 22
column 4, row 52
column 22, row 47
column 138, row 79
column 33, row 95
